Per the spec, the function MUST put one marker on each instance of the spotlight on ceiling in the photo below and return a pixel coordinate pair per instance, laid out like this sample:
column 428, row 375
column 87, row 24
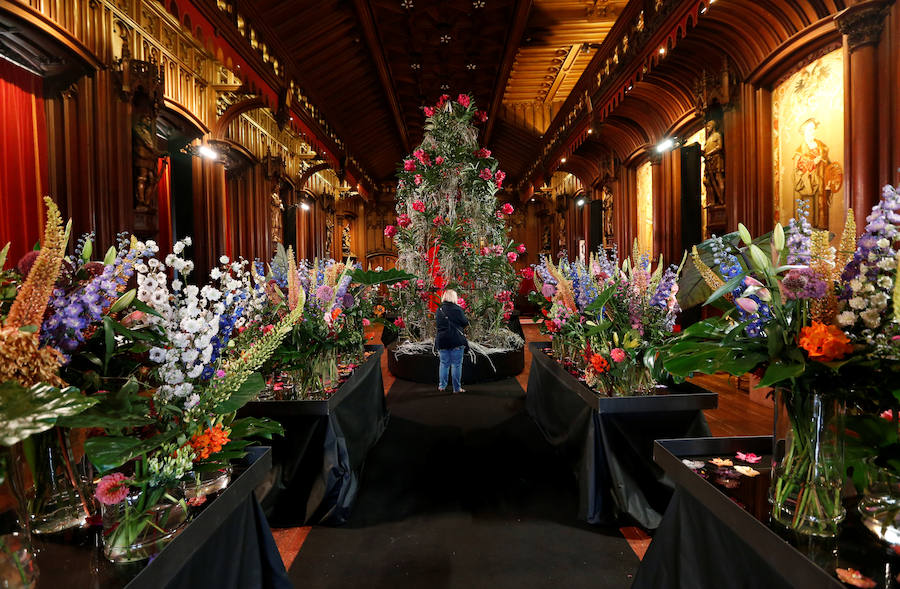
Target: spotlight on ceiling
column 304, row 206
column 208, row 152
column 665, row 145
column 562, row 161
column 662, row 50
column 590, row 131
column 580, row 202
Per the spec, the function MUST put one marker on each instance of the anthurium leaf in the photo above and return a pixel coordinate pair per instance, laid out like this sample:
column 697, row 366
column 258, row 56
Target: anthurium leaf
column 779, row 371
column 28, row 411
column 255, row 427
column 373, row 277
column 248, row 391
column 109, row 452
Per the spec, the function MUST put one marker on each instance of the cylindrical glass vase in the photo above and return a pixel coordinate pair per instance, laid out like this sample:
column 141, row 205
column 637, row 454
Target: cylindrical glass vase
column 879, row 506
column 131, row 534
column 17, row 567
column 200, row 484
column 808, row 464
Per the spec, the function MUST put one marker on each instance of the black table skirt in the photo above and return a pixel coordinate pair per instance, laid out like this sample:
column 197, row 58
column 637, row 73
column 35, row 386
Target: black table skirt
column 318, row 464
column 609, row 441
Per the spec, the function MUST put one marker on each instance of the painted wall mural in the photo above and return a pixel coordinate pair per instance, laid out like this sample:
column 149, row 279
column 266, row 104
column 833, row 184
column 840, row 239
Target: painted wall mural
column 808, row 142
column 645, row 207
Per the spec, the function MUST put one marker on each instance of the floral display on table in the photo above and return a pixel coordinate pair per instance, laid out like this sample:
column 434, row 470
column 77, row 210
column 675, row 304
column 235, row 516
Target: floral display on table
column 451, row 232
column 809, row 320
column 607, row 320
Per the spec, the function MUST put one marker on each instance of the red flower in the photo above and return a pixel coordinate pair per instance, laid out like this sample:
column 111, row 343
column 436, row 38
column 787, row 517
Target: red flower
column 419, row 206
column 676, row 328
column 429, row 111
column 485, row 174
column 617, row 354
column 442, row 100
column 507, row 208
column 512, row 257
column 483, row 152
column 390, row 231
column 423, row 157
column 418, row 179
column 521, row 248
column 439, row 160
column 112, row 489
column 599, row 364
column 500, row 176
column 439, row 220
column 399, row 322
column 481, row 116
column 464, row 100
column 403, row 220
column 409, row 165
column 527, row 273
column 499, row 215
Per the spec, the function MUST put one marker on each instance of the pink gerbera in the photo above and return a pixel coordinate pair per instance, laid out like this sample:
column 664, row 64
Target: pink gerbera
column 111, row 489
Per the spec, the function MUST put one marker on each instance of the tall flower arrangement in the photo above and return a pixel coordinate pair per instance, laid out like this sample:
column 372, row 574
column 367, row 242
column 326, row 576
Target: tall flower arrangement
column 451, row 231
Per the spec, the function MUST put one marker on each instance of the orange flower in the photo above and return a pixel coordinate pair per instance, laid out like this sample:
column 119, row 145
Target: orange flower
column 210, row 441
column 335, row 314
column 599, row 364
column 824, row 343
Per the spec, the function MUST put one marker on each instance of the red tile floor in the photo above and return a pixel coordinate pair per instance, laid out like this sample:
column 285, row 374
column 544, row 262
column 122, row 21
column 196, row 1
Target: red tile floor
column 737, row 414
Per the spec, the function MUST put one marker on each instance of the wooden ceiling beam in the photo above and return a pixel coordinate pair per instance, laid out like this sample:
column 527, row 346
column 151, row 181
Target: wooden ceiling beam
column 519, row 22
column 376, row 50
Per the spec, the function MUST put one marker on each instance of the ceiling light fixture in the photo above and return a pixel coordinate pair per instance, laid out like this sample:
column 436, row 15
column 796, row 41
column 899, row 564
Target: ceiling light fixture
column 662, row 50
column 590, row 131
column 208, row 152
column 562, row 161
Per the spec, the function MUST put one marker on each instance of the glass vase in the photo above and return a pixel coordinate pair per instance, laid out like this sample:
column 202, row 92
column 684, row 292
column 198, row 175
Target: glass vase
column 47, row 484
column 131, row 534
column 808, row 464
column 879, row 506
column 196, row 485
column 18, row 569
column 326, row 369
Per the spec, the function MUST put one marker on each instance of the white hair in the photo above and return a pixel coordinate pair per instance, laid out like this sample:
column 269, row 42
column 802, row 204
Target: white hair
column 449, row 296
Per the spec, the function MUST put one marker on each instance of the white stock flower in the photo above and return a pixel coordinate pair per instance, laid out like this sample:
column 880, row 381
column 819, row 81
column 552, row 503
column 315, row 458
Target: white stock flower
column 857, row 303
column 157, row 355
column 846, row 319
column 871, row 318
column 223, row 259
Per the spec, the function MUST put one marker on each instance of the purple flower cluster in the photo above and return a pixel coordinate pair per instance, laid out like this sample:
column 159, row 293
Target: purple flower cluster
column 665, row 287
column 583, row 287
column 803, row 283
column 799, row 236
column 877, row 242
column 729, row 267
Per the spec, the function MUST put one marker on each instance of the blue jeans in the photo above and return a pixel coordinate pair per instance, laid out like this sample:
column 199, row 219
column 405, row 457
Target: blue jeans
column 454, row 358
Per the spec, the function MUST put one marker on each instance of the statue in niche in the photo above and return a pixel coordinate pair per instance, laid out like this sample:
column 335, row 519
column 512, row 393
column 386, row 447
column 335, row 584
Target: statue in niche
column 816, row 178
column 329, row 233
column 145, row 161
column 608, row 228
column 275, row 211
column 545, row 239
column 714, row 158
column 345, row 241
column 562, row 233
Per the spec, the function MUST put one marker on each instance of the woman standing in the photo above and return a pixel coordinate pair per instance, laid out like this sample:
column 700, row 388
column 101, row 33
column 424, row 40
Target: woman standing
column 450, row 341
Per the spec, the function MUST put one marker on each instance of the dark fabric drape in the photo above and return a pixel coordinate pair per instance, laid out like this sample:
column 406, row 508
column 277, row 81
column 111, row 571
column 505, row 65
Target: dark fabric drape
column 611, row 452
column 23, row 159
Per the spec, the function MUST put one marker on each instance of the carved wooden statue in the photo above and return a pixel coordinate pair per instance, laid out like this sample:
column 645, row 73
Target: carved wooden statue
column 609, row 231
column 714, row 157
column 345, row 241
column 145, row 161
column 275, row 211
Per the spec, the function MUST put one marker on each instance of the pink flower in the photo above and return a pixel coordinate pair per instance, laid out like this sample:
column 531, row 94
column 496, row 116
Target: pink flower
column 399, row 322
column 429, row 111
column 419, row 206
column 461, row 302
column 220, row 373
column 484, row 251
column 423, row 157
column 366, row 322
column 617, row 354
column 485, row 174
column 111, row 489
column 512, row 257
column 409, row 165
column 548, row 290
column 887, row 414
column 390, row 231
column 500, row 176
column 521, row 248
column 750, row 281
column 481, row 116
column 747, row 304
column 420, row 283
column 507, row 209
column 499, row 215
column 418, row 179
column 483, row 152
column 439, row 160
column 403, row 220
column 527, row 273
column 268, row 328
column 749, row 457
column 439, row 220
column 464, row 100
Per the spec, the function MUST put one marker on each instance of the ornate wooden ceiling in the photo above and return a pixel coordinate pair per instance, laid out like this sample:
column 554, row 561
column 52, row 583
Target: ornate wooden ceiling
column 371, row 65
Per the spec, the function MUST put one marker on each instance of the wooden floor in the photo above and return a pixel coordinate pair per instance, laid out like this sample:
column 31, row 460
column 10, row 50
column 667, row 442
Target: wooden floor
column 736, row 415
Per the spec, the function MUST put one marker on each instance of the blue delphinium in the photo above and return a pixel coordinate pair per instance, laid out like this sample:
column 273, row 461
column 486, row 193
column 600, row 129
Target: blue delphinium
column 799, row 236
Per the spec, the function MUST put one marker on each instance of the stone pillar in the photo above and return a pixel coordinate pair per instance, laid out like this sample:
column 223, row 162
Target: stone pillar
column 861, row 24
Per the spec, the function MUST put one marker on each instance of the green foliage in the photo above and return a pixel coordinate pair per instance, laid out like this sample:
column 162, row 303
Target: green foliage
column 28, row 411
column 376, row 277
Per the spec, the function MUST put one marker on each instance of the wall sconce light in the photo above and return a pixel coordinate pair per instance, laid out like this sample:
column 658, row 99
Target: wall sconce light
column 304, row 206
column 207, row 152
column 665, row 145
column 580, row 202
column 562, row 161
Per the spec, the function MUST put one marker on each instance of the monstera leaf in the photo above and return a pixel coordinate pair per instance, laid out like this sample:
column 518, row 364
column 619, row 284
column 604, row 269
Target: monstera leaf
column 373, row 277
column 28, row 411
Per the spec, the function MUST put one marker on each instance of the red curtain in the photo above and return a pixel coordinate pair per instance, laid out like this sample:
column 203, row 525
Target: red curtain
column 23, row 159
column 164, row 206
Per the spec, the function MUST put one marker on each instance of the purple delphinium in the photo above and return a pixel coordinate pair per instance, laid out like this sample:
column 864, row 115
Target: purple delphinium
column 803, row 283
column 663, row 291
column 799, row 236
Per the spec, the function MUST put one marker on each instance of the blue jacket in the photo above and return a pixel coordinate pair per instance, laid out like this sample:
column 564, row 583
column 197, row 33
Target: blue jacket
column 450, row 322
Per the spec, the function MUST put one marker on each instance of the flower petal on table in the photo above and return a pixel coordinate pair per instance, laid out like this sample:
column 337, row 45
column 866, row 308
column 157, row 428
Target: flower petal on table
column 746, row 471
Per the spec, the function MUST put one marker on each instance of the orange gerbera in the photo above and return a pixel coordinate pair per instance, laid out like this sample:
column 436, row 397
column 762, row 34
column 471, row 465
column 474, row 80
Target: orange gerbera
column 599, row 364
column 210, row 441
column 824, row 343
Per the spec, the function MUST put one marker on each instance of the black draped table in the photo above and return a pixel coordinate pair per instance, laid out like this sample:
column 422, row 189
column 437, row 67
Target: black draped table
column 716, row 532
column 319, row 461
column 609, row 440
column 227, row 545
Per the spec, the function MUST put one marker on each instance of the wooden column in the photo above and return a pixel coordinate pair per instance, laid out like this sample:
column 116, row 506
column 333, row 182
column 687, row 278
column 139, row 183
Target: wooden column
column 861, row 24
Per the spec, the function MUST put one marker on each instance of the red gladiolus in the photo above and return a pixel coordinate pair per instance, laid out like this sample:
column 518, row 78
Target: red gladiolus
column 429, row 111
column 390, row 231
column 419, row 206
column 527, row 273
column 409, row 165
column 418, row 179
column 485, row 174
column 464, row 100
column 512, row 257
column 439, row 160
column 399, row 322
column 521, row 248
column 481, row 116
column 483, row 152
column 442, row 100
column 403, row 220
column 500, row 176
column 507, row 209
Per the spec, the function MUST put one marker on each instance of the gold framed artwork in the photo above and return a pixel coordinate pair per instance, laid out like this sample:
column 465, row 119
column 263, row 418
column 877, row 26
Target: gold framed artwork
column 645, row 207
column 808, row 142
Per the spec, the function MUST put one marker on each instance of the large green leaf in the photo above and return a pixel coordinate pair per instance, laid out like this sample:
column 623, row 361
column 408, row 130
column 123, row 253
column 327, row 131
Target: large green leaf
column 25, row 412
column 109, row 452
column 248, row 391
column 248, row 427
column 3, row 254
column 779, row 371
column 692, row 290
column 373, row 277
